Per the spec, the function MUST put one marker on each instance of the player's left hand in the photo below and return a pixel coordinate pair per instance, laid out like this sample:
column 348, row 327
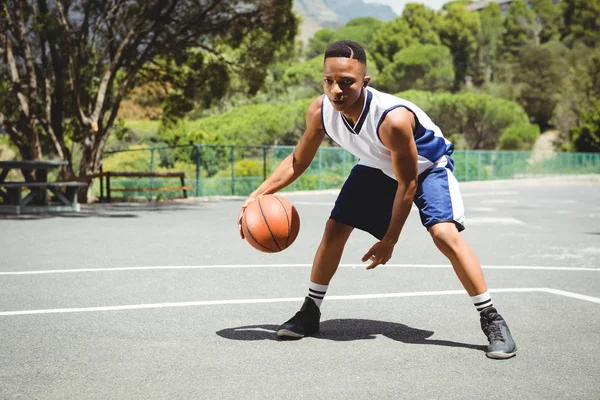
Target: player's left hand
column 379, row 253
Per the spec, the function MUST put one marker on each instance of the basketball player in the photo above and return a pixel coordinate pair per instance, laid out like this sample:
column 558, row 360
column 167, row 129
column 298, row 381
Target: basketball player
column 404, row 158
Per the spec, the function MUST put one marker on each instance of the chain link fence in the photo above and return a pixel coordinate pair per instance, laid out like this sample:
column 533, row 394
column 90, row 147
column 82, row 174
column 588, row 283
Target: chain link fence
column 224, row 170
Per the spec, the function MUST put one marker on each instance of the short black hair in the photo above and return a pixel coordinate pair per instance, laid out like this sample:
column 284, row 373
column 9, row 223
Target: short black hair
column 346, row 49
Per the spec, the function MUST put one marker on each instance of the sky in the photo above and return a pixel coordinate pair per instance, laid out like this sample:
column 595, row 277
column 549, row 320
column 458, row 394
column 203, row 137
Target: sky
column 398, row 5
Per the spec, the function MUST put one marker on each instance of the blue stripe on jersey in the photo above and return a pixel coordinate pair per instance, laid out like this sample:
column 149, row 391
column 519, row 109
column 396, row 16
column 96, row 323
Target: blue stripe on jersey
column 450, row 163
column 430, row 146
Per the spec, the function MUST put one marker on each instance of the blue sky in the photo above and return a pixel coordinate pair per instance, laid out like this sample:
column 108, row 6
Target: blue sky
column 398, row 5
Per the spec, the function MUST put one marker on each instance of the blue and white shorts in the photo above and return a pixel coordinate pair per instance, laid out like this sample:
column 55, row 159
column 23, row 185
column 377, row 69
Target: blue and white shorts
column 366, row 199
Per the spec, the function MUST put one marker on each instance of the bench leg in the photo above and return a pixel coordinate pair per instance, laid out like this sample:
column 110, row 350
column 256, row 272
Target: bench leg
column 13, row 196
column 41, row 196
column 183, row 185
column 72, row 196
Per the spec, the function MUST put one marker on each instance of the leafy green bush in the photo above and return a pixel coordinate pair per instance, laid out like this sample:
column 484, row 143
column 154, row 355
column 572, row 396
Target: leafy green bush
column 421, row 67
column 256, row 124
column 479, row 117
column 586, row 136
column 518, row 137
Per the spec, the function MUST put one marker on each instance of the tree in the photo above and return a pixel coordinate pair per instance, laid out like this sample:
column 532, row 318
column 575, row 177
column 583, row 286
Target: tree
column 550, row 17
column 69, row 64
column 579, row 90
column 392, row 37
column 422, row 22
column 586, row 136
column 479, row 118
column 489, row 38
column 540, row 74
column 582, row 22
column 319, row 42
column 308, row 74
column 360, row 30
column 459, row 30
column 449, row 4
column 421, row 67
column 517, row 28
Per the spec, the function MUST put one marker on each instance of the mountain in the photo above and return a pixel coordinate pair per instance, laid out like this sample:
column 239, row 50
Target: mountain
column 317, row 14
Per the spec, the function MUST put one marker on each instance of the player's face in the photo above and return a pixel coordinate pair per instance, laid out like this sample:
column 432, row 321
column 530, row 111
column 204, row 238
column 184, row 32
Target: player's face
column 343, row 81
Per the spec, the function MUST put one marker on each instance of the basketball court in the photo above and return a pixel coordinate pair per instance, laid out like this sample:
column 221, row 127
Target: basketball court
column 160, row 301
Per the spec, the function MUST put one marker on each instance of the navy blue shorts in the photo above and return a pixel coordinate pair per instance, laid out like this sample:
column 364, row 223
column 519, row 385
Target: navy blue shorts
column 366, row 199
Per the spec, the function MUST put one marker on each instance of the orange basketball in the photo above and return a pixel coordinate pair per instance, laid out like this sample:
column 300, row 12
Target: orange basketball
column 270, row 223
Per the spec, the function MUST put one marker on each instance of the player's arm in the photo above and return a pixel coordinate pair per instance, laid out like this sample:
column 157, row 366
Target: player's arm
column 396, row 133
column 297, row 162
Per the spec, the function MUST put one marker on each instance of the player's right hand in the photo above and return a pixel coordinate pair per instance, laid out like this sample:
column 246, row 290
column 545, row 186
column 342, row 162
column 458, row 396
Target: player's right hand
column 248, row 201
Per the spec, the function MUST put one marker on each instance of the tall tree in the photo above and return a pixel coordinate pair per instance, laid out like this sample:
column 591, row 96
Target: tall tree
column 539, row 73
column 393, row 36
column 70, row 63
column 582, row 21
column 459, row 30
column 421, row 67
column 361, row 30
column 550, row 18
column 518, row 28
column 422, row 22
column 489, row 38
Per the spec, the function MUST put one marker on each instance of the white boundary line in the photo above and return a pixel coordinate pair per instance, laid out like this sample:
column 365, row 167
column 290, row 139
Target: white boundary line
column 289, row 299
column 233, row 266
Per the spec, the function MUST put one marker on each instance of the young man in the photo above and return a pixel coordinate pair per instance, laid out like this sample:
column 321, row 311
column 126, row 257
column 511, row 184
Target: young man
column 403, row 158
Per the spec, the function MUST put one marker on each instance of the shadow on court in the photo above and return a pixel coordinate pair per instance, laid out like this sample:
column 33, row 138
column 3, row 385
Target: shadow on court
column 110, row 210
column 343, row 330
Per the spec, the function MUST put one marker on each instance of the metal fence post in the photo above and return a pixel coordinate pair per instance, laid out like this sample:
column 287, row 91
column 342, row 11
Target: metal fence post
column 198, row 159
column 320, row 167
column 152, row 170
column 466, row 165
column 264, row 163
column 101, row 186
column 232, row 171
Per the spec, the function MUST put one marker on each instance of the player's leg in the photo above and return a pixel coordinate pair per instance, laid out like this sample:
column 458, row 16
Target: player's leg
column 330, row 251
column 327, row 259
column 365, row 202
column 442, row 213
column 463, row 259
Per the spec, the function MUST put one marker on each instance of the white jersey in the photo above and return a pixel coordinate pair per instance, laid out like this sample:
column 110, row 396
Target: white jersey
column 363, row 141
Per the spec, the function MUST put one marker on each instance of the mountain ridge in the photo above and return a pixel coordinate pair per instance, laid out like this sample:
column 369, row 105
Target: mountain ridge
column 318, row 14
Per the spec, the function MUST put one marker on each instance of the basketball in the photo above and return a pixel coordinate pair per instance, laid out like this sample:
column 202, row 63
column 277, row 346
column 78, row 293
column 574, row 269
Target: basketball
column 270, row 223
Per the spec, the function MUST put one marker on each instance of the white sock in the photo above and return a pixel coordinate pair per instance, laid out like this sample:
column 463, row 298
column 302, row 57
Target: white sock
column 317, row 292
column 482, row 301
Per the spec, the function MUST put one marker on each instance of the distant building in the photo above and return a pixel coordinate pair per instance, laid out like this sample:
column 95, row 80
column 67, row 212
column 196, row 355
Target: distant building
column 504, row 4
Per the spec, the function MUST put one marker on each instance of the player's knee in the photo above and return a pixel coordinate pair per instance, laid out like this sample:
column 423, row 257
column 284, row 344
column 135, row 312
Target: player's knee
column 446, row 237
column 336, row 231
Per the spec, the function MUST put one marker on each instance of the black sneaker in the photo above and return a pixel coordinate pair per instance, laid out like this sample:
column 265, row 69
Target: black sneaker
column 494, row 326
column 304, row 323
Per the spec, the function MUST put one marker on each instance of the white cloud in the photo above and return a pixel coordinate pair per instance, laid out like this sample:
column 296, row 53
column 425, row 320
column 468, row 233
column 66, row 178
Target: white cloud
column 398, row 5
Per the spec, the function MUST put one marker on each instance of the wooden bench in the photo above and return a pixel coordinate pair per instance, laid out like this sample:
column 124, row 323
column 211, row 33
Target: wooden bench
column 16, row 203
column 110, row 174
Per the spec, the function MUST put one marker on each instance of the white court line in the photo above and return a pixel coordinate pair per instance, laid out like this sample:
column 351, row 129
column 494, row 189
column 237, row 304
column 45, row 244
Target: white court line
column 573, row 295
column 493, row 220
column 491, row 193
column 242, row 266
column 288, row 299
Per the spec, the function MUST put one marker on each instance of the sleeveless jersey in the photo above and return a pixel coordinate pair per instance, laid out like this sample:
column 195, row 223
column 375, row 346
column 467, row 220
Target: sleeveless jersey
column 362, row 139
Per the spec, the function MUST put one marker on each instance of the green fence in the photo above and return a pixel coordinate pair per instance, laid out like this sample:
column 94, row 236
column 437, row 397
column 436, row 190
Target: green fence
column 237, row 170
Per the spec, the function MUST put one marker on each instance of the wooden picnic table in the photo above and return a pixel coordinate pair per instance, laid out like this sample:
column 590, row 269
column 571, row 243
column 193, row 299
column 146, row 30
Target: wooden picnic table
column 37, row 198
